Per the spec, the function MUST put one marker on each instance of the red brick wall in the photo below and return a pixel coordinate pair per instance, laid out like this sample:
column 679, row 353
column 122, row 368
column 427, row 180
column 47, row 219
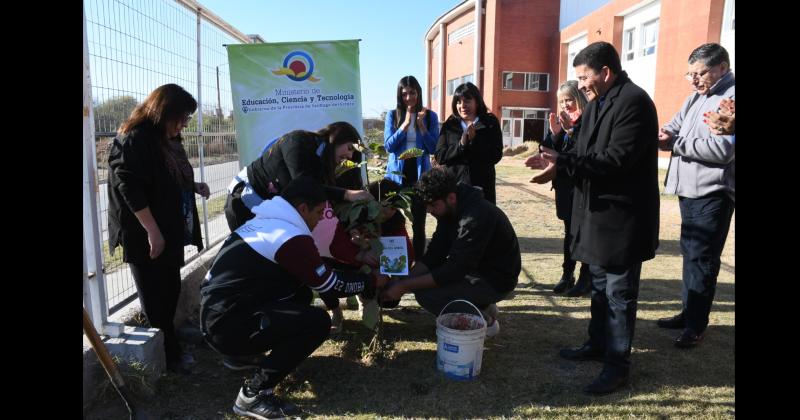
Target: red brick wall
column 683, row 26
column 460, row 56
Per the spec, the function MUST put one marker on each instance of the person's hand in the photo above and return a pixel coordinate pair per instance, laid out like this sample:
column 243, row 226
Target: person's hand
column 727, row 106
column 407, row 122
column 368, row 257
column 157, row 243
column 719, row 124
column 664, row 140
column 563, row 119
column 421, row 121
column 471, row 131
column 548, row 154
column 547, row 175
column 202, row 189
column 536, row 161
column 357, row 195
column 555, row 127
column 380, row 279
column 722, row 122
column 394, row 291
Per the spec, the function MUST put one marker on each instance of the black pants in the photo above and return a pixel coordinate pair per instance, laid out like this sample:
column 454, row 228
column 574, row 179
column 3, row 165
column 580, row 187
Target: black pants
column 704, row 228
column 292, row 329
column 159, row 286
column 569, row 264
column 615, row 293
column 418, row 226
column 236, row 213
column 473, row 289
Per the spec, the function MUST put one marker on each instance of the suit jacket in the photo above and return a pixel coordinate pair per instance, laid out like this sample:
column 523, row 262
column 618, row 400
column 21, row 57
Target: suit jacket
column 473, row 163
column 616, row 201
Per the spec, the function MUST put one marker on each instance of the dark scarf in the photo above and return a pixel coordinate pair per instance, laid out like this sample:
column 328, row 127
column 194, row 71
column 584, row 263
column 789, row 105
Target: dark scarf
column 178, row 163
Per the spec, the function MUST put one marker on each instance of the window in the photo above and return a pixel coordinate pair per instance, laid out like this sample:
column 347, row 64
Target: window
column 640, row 33
column 628, row 47
column 526, row 81
column 453, row 84
column 460, row 33
column 649, row 37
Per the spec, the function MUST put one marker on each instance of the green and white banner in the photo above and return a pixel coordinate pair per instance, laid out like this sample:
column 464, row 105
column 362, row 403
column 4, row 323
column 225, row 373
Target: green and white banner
column 280, row 87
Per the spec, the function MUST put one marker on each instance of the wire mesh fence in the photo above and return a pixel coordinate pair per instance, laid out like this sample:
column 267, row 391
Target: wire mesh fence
column 134, row 47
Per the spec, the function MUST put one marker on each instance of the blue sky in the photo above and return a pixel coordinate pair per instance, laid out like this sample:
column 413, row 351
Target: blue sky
column 391, row 34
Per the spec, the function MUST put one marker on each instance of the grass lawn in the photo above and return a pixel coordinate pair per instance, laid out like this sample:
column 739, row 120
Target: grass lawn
column 522, row 375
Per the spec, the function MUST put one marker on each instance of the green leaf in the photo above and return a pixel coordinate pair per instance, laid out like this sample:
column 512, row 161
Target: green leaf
column 373, row 210
column 411, row 153
column 354, row 213
column 344, row 167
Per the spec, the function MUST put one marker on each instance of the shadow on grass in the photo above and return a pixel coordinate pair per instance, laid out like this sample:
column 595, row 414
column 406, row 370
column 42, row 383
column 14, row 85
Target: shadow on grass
column 521, row 368
column 556, row 246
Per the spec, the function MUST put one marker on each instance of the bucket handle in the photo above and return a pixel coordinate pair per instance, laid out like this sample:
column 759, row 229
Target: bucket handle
column 480, row 314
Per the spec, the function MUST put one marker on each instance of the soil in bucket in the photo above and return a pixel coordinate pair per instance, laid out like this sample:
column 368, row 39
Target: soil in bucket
column 460, row 339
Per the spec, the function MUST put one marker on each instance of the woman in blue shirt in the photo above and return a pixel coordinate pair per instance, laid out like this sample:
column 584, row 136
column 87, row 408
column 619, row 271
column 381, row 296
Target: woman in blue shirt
column 411, row 125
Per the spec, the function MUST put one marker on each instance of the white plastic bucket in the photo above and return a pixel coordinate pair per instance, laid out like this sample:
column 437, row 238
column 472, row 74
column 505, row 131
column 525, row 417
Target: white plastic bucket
column 459, row 347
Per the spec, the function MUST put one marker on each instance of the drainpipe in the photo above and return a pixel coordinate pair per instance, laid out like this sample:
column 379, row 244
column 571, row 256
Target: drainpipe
column 478, row 16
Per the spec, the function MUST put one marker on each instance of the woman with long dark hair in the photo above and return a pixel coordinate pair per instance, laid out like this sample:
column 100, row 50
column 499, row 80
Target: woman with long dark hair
column 471, row 142
column 411, row 125
column 152, row 212
column 296, row 153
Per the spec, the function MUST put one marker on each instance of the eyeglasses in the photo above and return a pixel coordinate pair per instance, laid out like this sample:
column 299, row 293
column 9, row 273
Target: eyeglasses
column 186, row 118
column 691, row 76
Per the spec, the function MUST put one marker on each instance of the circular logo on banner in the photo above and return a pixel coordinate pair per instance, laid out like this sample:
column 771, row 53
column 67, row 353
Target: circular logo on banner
column 297, row 66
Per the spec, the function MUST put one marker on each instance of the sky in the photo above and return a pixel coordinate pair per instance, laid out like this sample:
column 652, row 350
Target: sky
column 391, row 34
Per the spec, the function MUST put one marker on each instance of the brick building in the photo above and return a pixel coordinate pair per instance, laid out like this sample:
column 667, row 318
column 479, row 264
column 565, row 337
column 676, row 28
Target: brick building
column 518, row 51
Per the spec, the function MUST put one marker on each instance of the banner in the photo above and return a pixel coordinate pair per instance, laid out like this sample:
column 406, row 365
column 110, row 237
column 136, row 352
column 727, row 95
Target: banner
column 280, row 87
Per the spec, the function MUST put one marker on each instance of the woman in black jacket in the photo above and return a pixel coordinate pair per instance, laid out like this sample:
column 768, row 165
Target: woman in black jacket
column 562, row 137
column 470, row 142
column 152, row 211
column 294, row 154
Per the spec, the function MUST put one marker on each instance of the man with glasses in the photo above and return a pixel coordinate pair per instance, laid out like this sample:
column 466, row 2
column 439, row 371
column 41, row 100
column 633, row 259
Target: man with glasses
column 473, row 254
column 701, row 173
column 615, row 206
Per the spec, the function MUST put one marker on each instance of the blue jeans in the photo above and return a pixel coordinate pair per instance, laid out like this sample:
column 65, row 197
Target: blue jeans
column 615, row 294
column 704, row 228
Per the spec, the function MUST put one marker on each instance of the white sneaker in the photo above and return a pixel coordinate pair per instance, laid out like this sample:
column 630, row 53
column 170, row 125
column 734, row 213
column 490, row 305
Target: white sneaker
column 493, row 329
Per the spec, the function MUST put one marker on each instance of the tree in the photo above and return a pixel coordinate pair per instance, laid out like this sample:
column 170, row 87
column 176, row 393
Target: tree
column 109, row 115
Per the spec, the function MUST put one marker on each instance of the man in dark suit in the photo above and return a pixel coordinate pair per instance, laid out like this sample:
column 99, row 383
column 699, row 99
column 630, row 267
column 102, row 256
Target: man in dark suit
column 616, row 205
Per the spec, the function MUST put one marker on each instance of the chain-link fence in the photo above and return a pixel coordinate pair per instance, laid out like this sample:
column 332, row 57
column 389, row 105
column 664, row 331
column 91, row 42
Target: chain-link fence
column 135, row 46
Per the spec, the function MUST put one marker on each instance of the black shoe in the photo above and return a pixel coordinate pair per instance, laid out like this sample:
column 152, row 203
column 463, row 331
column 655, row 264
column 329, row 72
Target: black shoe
column 567, row 280
column 584, row 353
column 673, row 323
column 688, row 339
column 583, row 287
column 263, row 406
column 243, row 362
column 608, row 382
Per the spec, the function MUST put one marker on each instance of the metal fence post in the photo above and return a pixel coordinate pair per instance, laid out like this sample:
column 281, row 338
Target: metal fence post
column 200, row 124
column 94, row 293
